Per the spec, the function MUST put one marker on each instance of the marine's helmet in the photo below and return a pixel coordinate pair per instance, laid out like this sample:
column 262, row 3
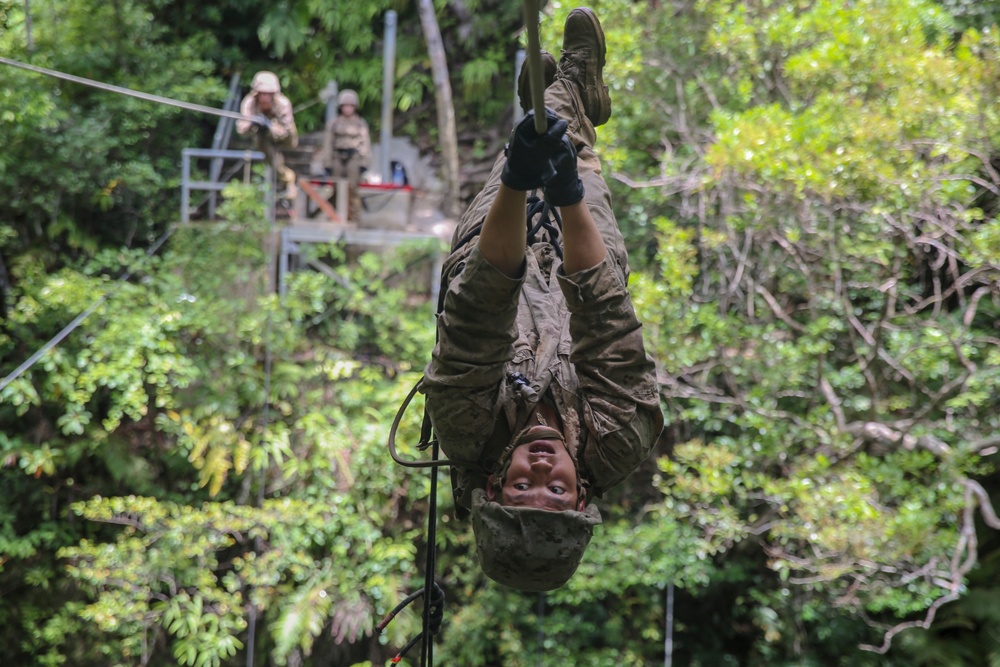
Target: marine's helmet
column 347, row 96
column 265, row 82
column 527, row 548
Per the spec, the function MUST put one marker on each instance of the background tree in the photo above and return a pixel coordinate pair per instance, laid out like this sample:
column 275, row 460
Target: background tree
column 445, row 108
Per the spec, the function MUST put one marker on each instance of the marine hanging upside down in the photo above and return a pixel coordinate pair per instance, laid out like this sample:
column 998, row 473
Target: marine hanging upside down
column 540, row 389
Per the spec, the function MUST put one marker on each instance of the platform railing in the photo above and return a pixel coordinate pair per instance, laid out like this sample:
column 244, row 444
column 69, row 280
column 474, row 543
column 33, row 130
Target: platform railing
column 237, row 162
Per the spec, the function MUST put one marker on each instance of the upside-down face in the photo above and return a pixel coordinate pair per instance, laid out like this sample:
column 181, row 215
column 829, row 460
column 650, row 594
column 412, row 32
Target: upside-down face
column 541, row 474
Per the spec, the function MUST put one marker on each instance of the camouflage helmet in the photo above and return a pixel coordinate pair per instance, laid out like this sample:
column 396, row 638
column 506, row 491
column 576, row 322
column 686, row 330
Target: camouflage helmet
column 527, row 548
column 347, row 96
column 265, row 82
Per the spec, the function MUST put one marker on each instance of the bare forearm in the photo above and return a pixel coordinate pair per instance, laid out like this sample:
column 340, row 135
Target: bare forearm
column 583, row 245
column 504, row 236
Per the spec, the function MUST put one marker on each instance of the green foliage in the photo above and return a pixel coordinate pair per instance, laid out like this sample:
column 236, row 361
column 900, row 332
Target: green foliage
column 202, row 638
column 167, row 378
column 192, row 570
column 80, row 164
column 809, row 195
column 823, row 371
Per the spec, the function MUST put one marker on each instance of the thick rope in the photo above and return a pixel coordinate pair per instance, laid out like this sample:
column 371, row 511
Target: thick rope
column 425, row 435
column 535, row 65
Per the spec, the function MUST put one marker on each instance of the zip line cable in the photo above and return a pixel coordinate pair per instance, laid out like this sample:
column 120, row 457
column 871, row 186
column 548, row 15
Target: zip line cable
column 78, row 320
column 149, row 97
column 125, row 91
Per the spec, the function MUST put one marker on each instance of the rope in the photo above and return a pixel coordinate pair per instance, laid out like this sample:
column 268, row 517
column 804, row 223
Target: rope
column 425, row 435
column 126, row 91
column 535, row 65
column 433, row 608
column 549, row 222
column 262, row 477
column 78, row 320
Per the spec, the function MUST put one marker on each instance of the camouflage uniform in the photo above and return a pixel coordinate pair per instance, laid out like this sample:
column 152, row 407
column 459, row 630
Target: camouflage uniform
column 575, row 339
column 346, row 151
column 282, row 133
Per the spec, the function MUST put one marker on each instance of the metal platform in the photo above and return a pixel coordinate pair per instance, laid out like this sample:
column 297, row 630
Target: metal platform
column 234, row 162
column 386, row 221
column 295, row 235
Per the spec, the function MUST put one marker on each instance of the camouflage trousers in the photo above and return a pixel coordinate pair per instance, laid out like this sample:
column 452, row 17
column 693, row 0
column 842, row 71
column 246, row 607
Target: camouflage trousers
column 563, row 97
column 347, row 164
column 271, row 149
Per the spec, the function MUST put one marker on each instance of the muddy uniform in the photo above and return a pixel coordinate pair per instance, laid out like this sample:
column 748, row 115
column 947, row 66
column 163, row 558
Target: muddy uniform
column 574, row 340
column 346, row 151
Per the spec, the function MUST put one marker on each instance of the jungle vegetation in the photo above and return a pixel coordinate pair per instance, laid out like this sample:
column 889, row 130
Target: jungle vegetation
column 809, row 191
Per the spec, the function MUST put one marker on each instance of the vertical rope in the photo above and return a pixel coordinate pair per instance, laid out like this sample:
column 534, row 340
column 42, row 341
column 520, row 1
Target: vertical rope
column 535, row 65
column 541, row 628
column 668, row 632
column 266, row 420
column 261, row 481
column 427, row 646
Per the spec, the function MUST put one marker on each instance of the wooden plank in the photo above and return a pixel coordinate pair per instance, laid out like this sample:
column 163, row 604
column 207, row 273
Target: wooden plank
column 319, row 200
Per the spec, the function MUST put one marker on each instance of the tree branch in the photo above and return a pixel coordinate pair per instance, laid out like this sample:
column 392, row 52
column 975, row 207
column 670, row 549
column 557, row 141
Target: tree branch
column 777, row 309
column 985, row 503
column 925, row 623
column 886, row 435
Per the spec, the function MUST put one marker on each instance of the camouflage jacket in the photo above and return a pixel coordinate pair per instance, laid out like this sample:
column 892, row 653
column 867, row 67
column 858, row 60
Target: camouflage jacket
column 346, row 133
column 283, row 130
column 575, row 338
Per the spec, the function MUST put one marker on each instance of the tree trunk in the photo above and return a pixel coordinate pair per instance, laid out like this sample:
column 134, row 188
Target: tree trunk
column 445, row 107
column 27, row 26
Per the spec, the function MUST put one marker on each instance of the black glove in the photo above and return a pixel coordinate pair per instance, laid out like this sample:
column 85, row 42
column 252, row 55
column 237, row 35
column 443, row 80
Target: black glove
column 528, row 153
column 564, row 187
column 260, row 123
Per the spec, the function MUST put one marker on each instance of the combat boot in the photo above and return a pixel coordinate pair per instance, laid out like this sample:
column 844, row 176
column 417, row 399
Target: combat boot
column 582, row 63
column 524, row 80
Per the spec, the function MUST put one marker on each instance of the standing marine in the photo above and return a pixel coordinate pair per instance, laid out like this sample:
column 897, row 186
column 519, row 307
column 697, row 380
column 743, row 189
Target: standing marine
column 347, row 149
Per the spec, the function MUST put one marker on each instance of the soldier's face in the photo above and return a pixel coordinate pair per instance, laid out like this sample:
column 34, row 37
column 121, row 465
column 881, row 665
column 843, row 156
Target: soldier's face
column 265, row 101
column 347, row 109
column 543, row 475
